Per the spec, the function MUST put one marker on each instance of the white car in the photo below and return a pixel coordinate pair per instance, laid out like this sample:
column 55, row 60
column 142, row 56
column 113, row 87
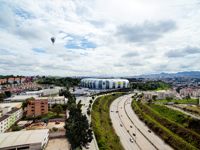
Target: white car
column 131, row 140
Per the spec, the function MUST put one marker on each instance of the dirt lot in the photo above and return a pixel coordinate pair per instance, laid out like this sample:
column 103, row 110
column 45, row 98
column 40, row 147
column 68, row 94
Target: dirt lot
column 58, row 144
column 50, row 125
column 60, row 126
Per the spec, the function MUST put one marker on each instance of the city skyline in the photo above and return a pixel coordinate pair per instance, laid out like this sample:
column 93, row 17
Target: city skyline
column 99, row 38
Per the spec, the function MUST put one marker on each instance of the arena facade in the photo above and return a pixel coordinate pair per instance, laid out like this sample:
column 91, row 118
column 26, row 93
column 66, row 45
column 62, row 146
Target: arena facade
column 94, row 83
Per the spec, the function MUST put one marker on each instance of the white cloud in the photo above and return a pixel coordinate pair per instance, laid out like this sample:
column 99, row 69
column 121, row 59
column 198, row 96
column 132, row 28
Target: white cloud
column 155, row 30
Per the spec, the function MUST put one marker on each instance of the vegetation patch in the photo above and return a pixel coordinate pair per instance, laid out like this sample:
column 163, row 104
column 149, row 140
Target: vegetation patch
column 192, row 109
column 58, row 81
column 150, row 85
column 175, row 135
column 49, row 115
column 177, row 117
column 182, row 101
column 102, row 125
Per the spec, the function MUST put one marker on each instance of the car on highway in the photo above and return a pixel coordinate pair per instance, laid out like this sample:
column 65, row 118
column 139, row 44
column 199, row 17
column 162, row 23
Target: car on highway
column 121, row 125
column 149, row 131
column 131, row 126
column 87, row 146
column 131, row 140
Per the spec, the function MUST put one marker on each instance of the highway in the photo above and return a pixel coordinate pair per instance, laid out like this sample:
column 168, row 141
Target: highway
column 133, row 133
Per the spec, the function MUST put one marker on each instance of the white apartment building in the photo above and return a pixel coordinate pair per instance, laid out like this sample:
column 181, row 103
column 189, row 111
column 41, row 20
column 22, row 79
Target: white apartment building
column 55, row 100
column 10, row 118
column 160, row 94
column 192, row 92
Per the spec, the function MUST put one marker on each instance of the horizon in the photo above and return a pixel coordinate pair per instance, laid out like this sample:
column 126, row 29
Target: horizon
column 99, row 38
column 101, row 76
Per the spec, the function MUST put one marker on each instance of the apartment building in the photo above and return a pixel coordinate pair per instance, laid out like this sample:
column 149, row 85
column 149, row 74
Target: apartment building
column 10, row 118
column 192, row 92
column 37, row 107
column 160, row 94
column 55, row 100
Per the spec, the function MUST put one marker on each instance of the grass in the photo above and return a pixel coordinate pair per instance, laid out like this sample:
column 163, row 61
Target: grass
column 182, row 101
column 102, row 125
column 192, row 109
column 177, row 117
column 49, row 115
column 176, row 136
column 172, row 115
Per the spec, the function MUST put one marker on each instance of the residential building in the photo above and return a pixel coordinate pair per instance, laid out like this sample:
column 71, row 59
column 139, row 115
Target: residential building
column 162, row 94
column 37, row 107
column 26, row 140
column 192, row 92
column 55, row 100
column 10, row 118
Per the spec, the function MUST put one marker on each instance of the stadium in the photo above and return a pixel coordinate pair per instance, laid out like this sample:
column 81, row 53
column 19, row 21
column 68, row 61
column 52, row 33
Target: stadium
column 93, row 83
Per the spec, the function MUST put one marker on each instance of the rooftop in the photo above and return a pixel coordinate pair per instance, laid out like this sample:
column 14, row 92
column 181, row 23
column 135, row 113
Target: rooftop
column 22, row 137
column 18, row 105
column 8, row 114
column 20, row 97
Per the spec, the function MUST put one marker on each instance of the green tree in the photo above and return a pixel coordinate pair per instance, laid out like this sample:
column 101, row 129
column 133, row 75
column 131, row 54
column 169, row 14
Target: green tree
column 2, row 96
column 57, row 109
column 169, row 99
column 8, row 93
column 88, row 112
column 77, row 128
column 90, row 101
column 188, row 97
column 154, row 97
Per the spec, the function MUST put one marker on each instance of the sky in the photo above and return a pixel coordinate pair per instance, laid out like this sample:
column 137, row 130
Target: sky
column 99, row 37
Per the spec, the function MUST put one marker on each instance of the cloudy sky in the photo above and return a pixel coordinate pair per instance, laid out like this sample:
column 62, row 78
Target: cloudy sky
column 99, row 37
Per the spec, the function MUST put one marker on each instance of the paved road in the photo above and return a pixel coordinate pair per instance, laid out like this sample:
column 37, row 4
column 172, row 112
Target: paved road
column 128, row 126
column 85, row 100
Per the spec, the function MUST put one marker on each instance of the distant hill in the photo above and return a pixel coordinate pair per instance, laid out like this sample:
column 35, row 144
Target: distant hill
column 189, row 74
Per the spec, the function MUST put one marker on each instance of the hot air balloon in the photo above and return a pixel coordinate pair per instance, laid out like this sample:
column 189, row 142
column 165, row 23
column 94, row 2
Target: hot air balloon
column 53, row 39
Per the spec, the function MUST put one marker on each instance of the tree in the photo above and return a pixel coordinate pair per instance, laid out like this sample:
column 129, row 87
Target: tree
column 2, row 96
column 169, row 99
column 88, row 112
column 8, row 93
column 90, row 101
column 57, row 109
column 77, row 127
column 154, row 97
column 24, row 104
column 16, row 128
column 188, row 97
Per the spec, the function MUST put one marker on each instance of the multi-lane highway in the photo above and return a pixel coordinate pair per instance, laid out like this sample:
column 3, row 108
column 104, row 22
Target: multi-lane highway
column 133, row 134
